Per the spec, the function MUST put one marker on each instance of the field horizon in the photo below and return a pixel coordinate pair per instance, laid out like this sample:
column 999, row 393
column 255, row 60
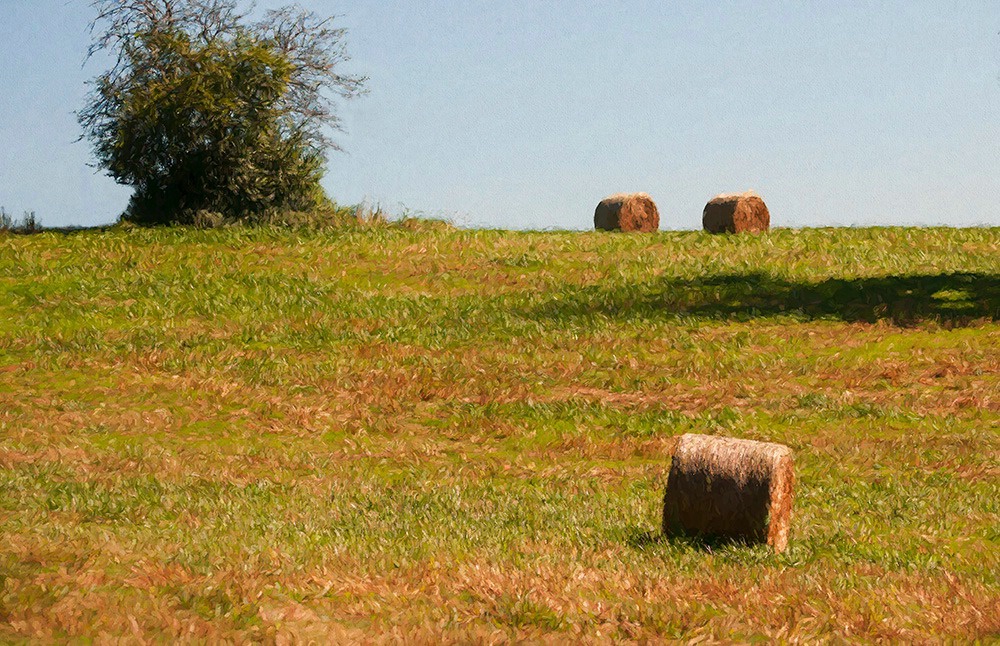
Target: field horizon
column 414, row 432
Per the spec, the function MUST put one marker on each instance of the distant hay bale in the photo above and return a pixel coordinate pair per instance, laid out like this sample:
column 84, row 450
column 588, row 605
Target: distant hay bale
column 728, row 488
column 627, row 212
column 736, row 213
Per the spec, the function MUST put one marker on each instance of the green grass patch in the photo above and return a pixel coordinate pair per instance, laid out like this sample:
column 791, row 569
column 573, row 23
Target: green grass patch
column 423, row 433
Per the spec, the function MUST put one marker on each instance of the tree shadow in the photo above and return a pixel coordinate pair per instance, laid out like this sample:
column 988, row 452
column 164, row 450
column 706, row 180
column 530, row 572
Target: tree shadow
column 953, row 299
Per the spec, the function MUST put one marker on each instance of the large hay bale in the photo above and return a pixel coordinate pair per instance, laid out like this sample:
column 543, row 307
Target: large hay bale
column 736, row 213
column 627, row 212
column 728, row 488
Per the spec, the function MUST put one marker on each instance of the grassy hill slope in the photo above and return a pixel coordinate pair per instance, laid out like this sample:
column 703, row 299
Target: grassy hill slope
column 419, row 433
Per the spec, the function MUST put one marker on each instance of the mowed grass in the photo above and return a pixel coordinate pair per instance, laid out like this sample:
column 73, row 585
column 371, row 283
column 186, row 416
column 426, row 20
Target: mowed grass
column 416, row 433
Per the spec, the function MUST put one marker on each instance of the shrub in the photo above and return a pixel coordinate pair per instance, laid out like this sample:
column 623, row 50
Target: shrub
column 27, row 224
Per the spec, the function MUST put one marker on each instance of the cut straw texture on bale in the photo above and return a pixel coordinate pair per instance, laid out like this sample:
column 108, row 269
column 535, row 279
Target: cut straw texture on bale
column 731, row 489
column 627, row 212
column 736, row 213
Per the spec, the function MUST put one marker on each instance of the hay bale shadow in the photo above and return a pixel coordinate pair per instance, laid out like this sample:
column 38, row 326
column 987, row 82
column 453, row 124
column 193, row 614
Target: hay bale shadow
column 642, row 540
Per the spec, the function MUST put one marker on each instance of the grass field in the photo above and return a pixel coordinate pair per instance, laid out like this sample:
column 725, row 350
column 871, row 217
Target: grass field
column 411, row 432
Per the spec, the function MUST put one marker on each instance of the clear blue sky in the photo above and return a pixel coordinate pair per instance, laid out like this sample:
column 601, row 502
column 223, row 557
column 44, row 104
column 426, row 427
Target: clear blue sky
column 523, row 114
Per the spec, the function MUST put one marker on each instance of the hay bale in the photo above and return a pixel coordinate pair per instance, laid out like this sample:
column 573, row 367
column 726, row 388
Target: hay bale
column 627, row 212
column 728, row 488
column 736, row 213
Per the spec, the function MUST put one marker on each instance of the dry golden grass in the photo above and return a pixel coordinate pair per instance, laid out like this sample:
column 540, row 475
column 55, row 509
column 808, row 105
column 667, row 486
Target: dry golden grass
column 414, row 433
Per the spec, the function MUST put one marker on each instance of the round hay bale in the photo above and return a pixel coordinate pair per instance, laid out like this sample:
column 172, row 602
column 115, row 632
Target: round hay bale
column 728, row 488
column 736, row 213
column 627, row 212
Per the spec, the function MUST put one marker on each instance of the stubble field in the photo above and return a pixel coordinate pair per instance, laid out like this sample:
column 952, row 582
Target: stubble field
column 412, row 432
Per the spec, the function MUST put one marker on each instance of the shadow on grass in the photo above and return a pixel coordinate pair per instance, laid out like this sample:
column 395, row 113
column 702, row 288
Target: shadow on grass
column 641, row 539
column 645, row 539
column 952, row 299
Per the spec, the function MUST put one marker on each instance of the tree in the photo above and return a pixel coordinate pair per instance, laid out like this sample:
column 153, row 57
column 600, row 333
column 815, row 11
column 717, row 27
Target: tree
column 205, row 109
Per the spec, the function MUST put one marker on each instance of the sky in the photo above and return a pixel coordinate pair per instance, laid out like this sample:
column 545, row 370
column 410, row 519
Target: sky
column 525, row 113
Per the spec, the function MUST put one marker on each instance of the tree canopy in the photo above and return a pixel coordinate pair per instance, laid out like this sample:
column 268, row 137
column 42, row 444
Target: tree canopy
column 206, row 109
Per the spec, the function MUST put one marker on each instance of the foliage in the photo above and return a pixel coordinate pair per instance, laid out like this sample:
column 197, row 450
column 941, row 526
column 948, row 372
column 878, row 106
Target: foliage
column 206, row 110
column 27, row 224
